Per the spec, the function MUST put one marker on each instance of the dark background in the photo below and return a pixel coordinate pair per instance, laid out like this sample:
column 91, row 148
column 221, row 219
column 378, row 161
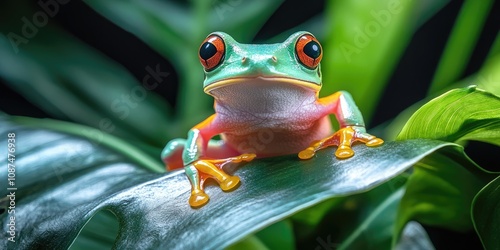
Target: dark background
column 412, row 75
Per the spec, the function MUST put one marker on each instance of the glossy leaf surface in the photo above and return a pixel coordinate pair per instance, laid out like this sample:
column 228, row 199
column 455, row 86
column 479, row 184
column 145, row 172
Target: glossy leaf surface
column 67, row 179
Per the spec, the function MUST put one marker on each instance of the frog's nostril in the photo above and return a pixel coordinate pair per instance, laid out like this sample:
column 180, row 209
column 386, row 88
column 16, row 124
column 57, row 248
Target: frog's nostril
column 243, row 60
column 274, row 59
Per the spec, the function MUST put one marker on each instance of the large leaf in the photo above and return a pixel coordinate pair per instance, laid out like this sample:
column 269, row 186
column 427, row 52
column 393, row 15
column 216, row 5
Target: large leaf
column 62, row 181
column 441, row 189
column 460, row 114
column 72, row 81
column 486, row 214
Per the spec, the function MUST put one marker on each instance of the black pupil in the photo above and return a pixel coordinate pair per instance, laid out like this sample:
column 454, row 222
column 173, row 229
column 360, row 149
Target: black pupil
column 312, row 49
column 207, row 50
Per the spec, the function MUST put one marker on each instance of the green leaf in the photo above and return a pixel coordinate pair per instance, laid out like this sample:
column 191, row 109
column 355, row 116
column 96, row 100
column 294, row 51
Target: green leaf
column 99, row 233
column 368, row 37
column 375, row 231
column 176, row 31
column 361, row 221
column 442, row 187
column 460, row 114
column 278, row 235
column 489, row 76
column 440, row 191
column 486, row 214
column 95, row 137
column 64, row 180
column 461, row 43
column 72, row 81
column 250, row 243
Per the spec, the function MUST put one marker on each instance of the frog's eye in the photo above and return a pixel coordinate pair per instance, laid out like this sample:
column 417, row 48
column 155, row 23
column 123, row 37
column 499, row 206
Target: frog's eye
column 212, row 52
column 308, row 51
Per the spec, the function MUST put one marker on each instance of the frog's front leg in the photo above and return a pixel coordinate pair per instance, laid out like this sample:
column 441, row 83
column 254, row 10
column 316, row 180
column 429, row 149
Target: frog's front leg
column 199, row 166
column 352, row 127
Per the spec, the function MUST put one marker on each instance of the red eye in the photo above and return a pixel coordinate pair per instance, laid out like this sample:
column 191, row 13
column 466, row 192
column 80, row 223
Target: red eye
column 211, row 52
column 308, row 51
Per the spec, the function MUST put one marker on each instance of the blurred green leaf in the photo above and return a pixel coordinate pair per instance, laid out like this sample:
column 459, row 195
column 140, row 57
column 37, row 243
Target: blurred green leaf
column 461, row 43
column 315, row 25
column 440, row 192
column 72, row 81
column 99, row 233
column 360, row 221
column 249, row 243
column 489, row 76
column 375, row 231
column 61, row 190
column 486, row 214
column 365, row 41
column 178, row 36
column 278, row 236
column 495, row 48
column 95, row 137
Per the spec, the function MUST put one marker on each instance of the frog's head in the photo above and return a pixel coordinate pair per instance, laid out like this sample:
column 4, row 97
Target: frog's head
column 227, row 62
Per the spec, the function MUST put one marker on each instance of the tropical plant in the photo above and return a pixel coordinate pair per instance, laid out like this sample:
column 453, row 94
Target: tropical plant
column 89, row 175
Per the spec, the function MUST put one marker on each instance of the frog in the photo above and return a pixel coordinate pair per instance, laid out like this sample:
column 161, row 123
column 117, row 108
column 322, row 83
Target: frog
column 267, row 104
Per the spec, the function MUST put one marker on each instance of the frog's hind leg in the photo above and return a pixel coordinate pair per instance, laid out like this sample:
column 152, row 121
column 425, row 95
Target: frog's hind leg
column 172, row 154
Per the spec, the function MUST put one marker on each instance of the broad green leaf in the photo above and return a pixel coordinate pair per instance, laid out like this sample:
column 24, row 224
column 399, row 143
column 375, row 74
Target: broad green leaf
column 460, row 114
column 72, row 81
column 488, row 79
column 486, row 214
column 442, row 187
column 66, row 180
column 440, row 192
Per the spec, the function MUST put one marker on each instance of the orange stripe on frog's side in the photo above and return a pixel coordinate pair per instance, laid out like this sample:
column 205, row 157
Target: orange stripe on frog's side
column 206, row 124
column 330, row 101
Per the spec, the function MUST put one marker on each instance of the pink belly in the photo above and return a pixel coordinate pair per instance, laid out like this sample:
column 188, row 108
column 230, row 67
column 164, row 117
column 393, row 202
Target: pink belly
column 278, row 139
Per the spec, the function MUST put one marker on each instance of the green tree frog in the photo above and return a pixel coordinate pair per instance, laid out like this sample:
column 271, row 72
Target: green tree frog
column 266, row 104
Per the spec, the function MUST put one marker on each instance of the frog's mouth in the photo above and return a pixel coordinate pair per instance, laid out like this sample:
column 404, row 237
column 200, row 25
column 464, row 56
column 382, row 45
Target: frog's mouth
column 269, row 80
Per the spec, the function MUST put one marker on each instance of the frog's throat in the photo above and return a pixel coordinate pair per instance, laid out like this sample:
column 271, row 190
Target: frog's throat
column 310, row 85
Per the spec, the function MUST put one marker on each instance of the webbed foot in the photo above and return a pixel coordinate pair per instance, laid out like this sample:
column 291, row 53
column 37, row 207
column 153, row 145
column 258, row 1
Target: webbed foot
column 201, row 170
column 343, row 138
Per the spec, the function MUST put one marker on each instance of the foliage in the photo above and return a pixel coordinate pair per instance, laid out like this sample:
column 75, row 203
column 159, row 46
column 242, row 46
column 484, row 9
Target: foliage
column 95, row 167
